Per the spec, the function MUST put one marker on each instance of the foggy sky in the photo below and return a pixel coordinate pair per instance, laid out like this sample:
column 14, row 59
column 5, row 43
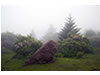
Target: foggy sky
column 24, row 19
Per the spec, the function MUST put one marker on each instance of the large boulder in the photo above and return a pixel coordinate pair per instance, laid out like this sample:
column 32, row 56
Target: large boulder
column 44, row 54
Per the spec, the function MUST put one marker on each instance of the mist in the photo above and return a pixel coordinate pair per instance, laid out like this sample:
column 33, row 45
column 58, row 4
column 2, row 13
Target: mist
column 24, row 19
column 50, row 35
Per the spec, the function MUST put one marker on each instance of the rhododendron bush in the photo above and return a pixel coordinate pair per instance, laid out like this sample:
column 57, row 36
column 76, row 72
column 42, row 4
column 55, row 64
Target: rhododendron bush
column 25, row 46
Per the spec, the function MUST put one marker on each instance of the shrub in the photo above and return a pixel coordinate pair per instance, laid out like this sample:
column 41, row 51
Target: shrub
column 58, row 54
column 26, row 46
column 74, row 44
column 79, row 54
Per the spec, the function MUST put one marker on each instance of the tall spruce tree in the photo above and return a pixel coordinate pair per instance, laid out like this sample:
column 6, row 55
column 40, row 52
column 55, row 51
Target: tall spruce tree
column 69, row 29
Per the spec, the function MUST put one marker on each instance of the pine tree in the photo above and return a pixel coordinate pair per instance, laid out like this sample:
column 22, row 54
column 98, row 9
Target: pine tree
column 32, row 34
column 51, row 34
column 69, row 28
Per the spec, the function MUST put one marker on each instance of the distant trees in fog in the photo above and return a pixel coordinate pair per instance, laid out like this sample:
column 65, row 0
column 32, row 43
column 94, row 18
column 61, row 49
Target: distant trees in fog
column 51, row 34
column 7, row 41
column 32, row 34
column 93, row 36
column 70, row 42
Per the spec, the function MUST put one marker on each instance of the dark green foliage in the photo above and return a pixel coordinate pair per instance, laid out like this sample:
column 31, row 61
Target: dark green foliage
column 25, row 46
column 58, row 54
column 74, row 44
column 69, row 28
column 79, row 54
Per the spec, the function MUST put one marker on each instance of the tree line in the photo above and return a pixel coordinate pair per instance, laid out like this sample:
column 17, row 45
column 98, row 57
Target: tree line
column 70, row 42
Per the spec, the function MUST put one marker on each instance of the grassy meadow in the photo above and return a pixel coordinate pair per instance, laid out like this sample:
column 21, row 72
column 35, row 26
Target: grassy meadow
column 89, row 62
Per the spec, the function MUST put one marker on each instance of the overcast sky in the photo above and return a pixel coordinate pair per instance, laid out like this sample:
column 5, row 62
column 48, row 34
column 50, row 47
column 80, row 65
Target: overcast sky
column 24, row 19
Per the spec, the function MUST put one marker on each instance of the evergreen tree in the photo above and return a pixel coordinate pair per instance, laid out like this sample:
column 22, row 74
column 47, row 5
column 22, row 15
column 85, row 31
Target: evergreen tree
column 69, row 28
column 90, row 34
column 32, row 34
column 51, row 34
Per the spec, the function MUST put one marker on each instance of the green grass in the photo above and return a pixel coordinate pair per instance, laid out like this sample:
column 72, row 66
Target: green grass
column 90, row 62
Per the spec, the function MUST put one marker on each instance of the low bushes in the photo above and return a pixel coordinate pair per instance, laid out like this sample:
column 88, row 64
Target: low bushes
column 26, row 46
column 74, row 46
